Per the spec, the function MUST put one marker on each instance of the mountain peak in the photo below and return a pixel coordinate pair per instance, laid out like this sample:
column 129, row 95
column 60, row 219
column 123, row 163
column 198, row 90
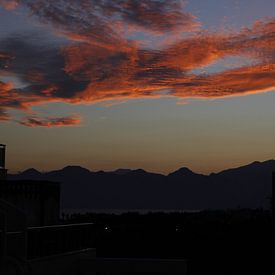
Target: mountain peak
column 184, row 171
column 75, row 169
column 31, row 172
column 268, row 164
column 138, row 172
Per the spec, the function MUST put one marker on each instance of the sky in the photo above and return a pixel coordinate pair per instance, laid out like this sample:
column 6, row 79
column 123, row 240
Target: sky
column 152, row 84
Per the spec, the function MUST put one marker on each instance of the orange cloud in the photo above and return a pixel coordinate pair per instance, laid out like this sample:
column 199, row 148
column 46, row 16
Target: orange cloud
column 144, row 73
column 105, row 22
column 51, row 122
column 101, row 64
column 238, row 82
column 9, row 4
column 156, row 16
column 4, row 116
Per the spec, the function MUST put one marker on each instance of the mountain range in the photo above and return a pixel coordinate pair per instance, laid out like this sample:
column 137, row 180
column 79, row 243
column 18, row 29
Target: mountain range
column 248, row 186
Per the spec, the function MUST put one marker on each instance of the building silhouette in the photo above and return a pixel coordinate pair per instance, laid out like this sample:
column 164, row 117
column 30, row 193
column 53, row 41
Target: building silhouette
column 39, row 200
column 3, row 170
column 34, row 241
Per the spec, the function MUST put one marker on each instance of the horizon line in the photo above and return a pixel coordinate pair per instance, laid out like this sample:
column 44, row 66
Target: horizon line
column 135, row 169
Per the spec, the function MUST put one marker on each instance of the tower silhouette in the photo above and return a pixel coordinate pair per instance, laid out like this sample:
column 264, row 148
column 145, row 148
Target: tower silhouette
column 3, row 170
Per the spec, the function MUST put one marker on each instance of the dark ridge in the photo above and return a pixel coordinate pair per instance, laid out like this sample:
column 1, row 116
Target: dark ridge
column 248, row 186
column 75, row 169
column 122, row 171
column 31, row 172
column 184, row 171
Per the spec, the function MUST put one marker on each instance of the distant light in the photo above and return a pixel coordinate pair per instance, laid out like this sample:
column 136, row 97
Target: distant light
column 178, row 228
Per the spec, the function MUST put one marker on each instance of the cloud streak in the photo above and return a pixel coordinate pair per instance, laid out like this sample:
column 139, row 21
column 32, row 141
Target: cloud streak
column 50, row 122
column 101, row 63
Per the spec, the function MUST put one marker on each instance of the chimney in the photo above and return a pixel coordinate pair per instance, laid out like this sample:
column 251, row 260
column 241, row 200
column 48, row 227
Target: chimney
column 3, row 170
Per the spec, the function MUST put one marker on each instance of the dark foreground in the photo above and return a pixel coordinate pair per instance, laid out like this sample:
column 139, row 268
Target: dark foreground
column 214, row 242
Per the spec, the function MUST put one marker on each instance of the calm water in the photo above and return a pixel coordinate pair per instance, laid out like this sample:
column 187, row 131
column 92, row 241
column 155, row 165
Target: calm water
column 121, row 211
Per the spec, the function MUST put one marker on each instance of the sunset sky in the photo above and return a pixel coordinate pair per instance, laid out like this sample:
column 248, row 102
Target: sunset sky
column 152, row 84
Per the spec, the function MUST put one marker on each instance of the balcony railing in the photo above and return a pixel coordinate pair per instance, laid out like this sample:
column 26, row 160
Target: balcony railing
column 59, row 239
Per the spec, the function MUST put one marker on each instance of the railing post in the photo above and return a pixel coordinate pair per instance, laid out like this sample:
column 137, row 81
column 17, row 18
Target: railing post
column 3, row 237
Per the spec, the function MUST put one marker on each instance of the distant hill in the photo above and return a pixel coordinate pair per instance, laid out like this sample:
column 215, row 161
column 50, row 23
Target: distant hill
column 248, row 186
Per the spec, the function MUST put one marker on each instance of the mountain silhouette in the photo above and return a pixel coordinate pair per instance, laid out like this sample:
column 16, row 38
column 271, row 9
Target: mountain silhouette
column 183, row 172
column 247, row 186
column 69, row 172
column 122, row 171
column 31, row 173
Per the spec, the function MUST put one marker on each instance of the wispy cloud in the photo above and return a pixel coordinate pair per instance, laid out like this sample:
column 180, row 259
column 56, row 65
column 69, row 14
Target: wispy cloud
column 50, row 122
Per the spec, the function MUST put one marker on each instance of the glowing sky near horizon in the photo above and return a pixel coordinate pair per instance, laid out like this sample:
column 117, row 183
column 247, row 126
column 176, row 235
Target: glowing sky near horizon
column 149, row 84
